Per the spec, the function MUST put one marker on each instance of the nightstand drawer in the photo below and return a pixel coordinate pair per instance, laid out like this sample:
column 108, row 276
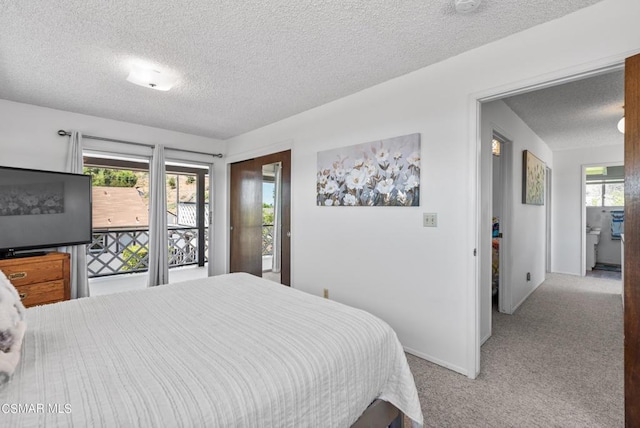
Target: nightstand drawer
column 39, row 294
column 34, row 273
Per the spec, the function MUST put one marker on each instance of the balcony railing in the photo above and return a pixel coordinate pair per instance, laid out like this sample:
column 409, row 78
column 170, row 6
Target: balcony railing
column 267, row 239
column 114, row 252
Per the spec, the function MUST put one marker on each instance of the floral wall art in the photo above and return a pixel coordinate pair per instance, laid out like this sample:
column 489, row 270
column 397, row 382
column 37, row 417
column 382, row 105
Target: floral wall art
column 378, row 173
column 533, row 172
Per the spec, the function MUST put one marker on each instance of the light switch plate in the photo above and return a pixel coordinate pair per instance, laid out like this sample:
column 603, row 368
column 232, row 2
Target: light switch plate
column 429, row 220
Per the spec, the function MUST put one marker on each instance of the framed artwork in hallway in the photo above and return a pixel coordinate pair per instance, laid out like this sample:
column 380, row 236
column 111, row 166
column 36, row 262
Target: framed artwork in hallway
column 533, row 170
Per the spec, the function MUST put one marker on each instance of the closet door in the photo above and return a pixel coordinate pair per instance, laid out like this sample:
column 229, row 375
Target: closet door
column 246, row 203
column 246, row 217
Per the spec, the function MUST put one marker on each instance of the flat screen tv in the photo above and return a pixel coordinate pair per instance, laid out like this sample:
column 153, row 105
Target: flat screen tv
column 43, row 209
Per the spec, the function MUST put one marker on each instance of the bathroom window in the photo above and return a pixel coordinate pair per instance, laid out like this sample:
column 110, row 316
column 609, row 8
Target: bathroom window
column 605, row 186
column 605, row 194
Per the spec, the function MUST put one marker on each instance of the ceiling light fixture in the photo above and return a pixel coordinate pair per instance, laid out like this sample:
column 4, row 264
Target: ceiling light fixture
column 621, row 122
column 466, row 6
column 153, row 79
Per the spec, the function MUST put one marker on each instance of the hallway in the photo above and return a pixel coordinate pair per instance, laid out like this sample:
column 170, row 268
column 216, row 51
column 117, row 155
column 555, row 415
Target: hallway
column 558, row 361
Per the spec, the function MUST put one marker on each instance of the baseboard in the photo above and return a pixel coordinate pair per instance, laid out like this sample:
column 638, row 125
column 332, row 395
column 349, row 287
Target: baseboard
column 525, row 298
column 436, row 361
column 484, row 339
column 566, row 273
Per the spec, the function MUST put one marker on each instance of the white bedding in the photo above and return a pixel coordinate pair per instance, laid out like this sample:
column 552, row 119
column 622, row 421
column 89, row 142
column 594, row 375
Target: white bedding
column 227, row 351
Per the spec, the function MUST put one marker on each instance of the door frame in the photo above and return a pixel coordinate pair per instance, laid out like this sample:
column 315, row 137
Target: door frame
column 505, row 304
column 583, row 212
column 225, row 224
column 475, row 100
column 548, row 218
column 505, row 188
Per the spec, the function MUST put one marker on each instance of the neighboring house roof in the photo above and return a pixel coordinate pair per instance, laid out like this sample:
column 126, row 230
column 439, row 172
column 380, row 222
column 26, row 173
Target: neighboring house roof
column 115, row 207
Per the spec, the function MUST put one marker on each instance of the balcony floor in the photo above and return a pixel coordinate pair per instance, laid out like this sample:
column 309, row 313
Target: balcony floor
column 138, row 281
column 267, row 273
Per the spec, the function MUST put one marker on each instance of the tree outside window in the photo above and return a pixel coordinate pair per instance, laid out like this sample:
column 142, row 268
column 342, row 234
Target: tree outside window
column 605, row 194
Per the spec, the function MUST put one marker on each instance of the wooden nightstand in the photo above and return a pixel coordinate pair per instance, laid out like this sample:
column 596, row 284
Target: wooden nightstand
column 39, row 279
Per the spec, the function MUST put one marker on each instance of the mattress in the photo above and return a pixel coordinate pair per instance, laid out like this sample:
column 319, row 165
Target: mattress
column 232, row 350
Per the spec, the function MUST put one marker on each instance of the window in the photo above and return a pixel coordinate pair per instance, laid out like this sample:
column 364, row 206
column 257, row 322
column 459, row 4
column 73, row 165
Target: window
column 613, row 195
column 605, row 186
column 495, row 147
column 605, row 194
column 594, row 195
column 121, row 215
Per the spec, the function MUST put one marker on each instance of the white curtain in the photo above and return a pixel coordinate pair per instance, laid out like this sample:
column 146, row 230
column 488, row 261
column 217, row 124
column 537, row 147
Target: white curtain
column 78, row 253
column 210, row 250
column 158, row 238
column 277, row 219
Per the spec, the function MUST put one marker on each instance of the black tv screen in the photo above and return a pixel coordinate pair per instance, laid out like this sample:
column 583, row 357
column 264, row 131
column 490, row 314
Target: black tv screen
column 43, row 209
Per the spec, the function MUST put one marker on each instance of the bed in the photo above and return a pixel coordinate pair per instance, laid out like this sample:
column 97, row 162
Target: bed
column 230, row 351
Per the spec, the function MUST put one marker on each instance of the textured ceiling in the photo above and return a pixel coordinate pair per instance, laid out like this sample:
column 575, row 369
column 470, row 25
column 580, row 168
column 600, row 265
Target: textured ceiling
column 241, row 65
column 577, row 114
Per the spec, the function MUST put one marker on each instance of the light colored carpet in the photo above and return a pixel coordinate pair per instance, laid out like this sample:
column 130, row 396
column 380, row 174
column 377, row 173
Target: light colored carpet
column 556, row 362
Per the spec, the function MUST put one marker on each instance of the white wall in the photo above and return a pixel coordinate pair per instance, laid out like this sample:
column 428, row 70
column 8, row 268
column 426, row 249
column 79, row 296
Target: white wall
column 608, row 249
column 525, row 237
column 29, row 139
column 422, row 280
column 568, row 234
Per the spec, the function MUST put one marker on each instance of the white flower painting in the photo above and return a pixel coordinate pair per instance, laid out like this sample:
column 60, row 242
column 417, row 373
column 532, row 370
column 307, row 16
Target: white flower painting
column 379, row 173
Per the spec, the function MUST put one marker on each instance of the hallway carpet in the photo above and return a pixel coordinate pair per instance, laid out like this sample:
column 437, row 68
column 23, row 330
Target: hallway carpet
column 556, row 362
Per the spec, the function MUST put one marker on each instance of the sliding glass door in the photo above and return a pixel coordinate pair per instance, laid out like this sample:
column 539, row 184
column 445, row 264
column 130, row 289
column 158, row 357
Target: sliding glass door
column 260, row 193
column 120, row 199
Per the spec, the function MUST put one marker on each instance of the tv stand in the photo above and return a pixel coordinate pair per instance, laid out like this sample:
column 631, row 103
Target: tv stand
column 11, row 254
column 39, row 279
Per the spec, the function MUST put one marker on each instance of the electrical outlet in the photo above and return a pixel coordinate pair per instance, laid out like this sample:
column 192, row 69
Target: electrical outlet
column 528, row 276
column 326, row 293
column 429, row 220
